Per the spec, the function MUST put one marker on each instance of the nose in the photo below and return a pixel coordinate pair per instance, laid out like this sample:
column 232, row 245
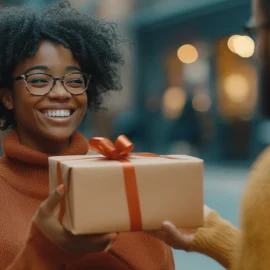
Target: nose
column 59, row 91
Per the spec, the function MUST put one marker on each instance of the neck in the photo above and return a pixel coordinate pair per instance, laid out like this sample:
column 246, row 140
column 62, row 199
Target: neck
column 43, row 145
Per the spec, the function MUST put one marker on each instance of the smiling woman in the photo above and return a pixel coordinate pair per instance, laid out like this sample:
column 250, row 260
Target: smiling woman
column 54, row 65
column 47, row 112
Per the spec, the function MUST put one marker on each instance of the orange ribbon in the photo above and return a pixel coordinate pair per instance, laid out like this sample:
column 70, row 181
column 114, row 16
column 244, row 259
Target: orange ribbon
column 120, row 151
column 62, row 202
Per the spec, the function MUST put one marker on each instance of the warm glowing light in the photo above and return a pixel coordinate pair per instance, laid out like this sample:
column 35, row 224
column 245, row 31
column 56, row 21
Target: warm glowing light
column 187, row 54
column 174, row 100
column 231, row 42
column 244, row 46
column 201, row 102
column 236, row 87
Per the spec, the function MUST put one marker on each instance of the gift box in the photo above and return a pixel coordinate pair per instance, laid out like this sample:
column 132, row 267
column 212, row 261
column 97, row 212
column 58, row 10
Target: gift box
column 128, row 192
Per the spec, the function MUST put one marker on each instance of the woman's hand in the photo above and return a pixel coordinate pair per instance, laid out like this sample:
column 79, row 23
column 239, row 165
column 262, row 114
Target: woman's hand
column 75, row 244
column 180, row 239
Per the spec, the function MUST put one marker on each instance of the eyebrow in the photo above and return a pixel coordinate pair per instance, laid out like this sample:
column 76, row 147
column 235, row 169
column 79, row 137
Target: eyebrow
column 69, row 68
column 36, row 67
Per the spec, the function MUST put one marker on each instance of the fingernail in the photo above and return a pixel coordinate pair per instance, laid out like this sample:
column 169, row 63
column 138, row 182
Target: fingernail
column 168, row 223
column 60, row 189
column 109, row 246
column 114, row 236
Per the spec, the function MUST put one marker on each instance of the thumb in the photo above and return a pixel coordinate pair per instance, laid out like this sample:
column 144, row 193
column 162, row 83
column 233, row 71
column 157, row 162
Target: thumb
column 50, row 204
column 182, row 237
column 206, row 211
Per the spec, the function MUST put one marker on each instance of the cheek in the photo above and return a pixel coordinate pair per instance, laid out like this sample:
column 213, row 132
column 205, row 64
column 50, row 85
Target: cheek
column 82, row 101
column 24, row 105
column 82, row 104
column 20, row 104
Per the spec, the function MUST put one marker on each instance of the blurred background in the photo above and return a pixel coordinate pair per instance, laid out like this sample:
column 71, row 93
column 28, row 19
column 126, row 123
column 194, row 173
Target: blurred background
column 189, row 87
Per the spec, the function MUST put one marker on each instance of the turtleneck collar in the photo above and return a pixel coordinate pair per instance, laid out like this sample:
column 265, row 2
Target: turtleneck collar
column 26, row 169
column 13, row 149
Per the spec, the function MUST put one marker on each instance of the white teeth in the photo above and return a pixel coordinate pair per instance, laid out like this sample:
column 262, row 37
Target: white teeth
column 57, row 113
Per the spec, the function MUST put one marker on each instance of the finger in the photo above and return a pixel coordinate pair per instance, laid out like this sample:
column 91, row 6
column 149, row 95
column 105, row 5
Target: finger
column 176, row 234
column 171, row 229
column 50, row 204
column 206, row 211
column 102, row 242
column 187, row 231
column 113, row 237
column 109, row 246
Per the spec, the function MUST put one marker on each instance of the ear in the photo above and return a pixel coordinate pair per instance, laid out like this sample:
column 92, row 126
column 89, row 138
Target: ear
column 6, row 98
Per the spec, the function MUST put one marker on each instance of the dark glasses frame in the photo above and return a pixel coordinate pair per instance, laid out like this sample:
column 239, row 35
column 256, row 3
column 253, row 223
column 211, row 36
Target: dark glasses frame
column 55, row 79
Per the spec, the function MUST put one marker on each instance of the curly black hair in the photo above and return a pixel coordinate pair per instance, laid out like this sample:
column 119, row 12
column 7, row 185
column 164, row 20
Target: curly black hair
column 94, row 44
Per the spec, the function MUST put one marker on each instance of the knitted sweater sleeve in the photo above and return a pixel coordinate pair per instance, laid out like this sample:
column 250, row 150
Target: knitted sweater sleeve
column 254, row 250
column 249, row 249
column 40, row 253
column 218, row 239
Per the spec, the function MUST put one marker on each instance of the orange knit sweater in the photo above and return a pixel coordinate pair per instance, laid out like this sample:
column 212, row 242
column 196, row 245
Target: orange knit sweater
column 23, row 186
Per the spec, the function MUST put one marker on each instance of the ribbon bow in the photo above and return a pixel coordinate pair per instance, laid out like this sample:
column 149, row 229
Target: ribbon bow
column 117, row 150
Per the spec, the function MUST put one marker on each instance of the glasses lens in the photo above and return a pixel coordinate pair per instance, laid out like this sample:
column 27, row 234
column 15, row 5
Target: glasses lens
column 76, row 83
column 39, row 83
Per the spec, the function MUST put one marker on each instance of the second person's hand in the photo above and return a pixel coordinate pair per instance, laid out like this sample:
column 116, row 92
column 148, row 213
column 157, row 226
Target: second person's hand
column 180, row 239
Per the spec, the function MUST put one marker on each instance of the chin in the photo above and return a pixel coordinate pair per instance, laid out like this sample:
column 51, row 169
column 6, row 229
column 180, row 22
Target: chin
column 59, row 136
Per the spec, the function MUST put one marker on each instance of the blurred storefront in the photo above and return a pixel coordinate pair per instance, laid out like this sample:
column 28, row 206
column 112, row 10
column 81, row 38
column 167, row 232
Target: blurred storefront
column 196, row 90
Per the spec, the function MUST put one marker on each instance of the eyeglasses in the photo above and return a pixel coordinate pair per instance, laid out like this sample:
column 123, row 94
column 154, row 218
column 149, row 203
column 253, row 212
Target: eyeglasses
column 40, row 84
column 251, row 28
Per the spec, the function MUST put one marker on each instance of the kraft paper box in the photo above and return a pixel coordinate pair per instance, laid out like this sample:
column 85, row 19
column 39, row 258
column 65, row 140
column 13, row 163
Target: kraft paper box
column 96, row 199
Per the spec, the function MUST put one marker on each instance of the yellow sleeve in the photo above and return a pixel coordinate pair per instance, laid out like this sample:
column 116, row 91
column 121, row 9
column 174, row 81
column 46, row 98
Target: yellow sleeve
column 250, row 248
column 255, row 218
column 218, row 239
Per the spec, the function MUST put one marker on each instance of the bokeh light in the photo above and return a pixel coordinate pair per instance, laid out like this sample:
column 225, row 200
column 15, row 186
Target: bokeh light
column 187, row 54
column 236, row 87
column 201, row 102
column 231, row 42
column 244, row 46
column 174, row 100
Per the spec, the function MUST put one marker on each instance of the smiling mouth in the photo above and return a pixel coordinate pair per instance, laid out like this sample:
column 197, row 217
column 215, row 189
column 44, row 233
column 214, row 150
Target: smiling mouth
column 57, row 113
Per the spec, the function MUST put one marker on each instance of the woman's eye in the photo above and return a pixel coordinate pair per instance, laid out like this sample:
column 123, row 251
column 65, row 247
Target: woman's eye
column 75, row 82
column 38, row 81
